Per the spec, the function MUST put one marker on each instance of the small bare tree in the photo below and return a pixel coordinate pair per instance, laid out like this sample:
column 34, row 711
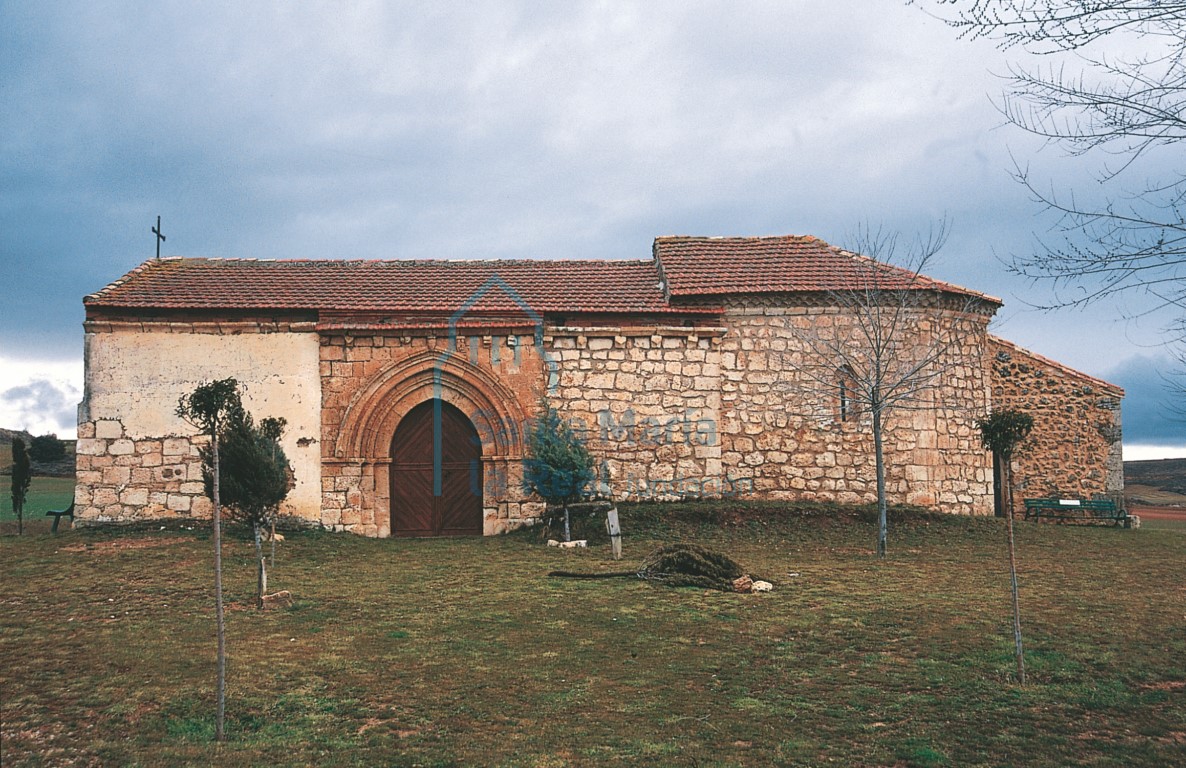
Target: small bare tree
column 894, row 335
column 1001, row 432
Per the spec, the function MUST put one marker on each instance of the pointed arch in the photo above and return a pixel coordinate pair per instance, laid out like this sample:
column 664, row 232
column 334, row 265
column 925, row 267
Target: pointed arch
column 371, row 417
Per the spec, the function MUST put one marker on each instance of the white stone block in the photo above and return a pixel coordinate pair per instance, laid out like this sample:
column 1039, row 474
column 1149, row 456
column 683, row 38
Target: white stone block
column 108, row 429
column 134, row 497
column 90, row 447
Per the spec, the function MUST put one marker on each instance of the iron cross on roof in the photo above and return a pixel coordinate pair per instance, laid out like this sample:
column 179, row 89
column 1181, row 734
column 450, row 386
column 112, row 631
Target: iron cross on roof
column 159, row 237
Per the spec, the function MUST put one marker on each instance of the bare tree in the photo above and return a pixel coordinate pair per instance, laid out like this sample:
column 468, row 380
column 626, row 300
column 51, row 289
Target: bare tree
column 1175, row 382
column 1130, row 108
column 1001, row 432
column 895, row 334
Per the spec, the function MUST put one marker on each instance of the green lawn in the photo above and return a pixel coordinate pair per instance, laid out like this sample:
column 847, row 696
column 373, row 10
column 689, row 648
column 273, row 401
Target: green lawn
column 45, row 493
column 463, row 652
column 1164, row 525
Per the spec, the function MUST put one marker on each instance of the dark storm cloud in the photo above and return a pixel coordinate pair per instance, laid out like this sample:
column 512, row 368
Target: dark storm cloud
column 1153, row 413
column 486, row 130
column 504, row 129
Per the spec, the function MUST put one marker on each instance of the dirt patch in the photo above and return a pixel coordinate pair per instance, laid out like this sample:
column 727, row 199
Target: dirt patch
column 1147, row 495
column 1159, row 513
column 117, row 545
column 400, row 733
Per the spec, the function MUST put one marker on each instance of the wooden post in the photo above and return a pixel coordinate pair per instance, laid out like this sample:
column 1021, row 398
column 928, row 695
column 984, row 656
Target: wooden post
column 615, row 531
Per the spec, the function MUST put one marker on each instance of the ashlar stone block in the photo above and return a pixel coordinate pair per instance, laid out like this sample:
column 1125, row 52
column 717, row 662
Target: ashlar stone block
column 109, row 429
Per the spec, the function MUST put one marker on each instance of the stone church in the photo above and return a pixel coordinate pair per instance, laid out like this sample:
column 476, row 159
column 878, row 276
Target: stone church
column 407, row 385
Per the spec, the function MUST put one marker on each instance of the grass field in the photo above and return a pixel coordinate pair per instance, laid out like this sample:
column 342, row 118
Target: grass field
column 45, row 493
column 1164, row 525
column 463, row 652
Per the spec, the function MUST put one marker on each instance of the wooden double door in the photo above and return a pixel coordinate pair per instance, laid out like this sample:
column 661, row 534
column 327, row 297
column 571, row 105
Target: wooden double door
column 436, row 473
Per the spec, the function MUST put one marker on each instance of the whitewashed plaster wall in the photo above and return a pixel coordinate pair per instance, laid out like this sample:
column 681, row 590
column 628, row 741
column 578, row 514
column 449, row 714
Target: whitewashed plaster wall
column 136, row 376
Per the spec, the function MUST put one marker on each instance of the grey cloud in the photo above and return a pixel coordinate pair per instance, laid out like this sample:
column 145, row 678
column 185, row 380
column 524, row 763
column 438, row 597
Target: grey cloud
column 483, row 130
column 41, row 400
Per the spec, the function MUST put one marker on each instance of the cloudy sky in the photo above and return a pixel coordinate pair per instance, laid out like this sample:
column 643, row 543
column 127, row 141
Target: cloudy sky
column 507, row 129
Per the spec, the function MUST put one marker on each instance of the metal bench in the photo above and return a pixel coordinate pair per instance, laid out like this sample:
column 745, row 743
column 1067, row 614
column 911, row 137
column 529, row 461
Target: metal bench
column 1075, row 510
column 58, row 514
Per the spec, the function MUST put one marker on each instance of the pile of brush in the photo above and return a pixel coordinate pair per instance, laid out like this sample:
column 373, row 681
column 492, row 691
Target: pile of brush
column 685, row 565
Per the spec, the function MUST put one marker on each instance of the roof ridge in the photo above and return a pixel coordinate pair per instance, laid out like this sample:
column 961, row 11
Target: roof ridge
column 520, row 261
column 720, row 238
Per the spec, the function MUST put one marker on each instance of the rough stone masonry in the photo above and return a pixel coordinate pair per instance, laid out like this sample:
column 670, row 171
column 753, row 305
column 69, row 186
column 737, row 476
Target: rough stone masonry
column 691, row 374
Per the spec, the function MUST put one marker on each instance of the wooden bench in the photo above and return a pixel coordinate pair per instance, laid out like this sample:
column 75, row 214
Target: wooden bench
column 58, row 514
column 1075, row 510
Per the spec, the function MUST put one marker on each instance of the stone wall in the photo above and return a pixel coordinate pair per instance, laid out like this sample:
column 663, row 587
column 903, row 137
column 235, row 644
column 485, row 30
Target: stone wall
column 737, row 408
column 125, row 478
column 136, row 460
column 1074, row 450
column 783, row 428
column 647, row 399
column 372, row 375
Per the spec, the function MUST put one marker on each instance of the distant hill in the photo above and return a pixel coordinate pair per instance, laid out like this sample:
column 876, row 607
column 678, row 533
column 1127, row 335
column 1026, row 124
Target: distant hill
column 1160, row 482
column 6, row 436
column 63, row 468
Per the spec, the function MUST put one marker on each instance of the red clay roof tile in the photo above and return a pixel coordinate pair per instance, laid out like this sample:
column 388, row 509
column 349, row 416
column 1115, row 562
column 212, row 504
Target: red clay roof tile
column 682, row 267
column 713, row 266
column 389, row 286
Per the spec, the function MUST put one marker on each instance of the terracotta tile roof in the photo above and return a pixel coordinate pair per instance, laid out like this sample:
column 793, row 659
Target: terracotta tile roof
column 683, row 267
column 713, row 266
column 438, row 286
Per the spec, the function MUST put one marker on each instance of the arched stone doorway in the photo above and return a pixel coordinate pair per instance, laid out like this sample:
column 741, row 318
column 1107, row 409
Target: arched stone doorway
column 436, row 473
column 357, row 455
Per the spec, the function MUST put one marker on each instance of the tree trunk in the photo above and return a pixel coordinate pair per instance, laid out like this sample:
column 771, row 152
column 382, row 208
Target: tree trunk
column 261, row 580
column 272, row 564
column 20, row 518
column 220, row 718
column 567, row 528
column 1017, row 648
column 881, row 503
